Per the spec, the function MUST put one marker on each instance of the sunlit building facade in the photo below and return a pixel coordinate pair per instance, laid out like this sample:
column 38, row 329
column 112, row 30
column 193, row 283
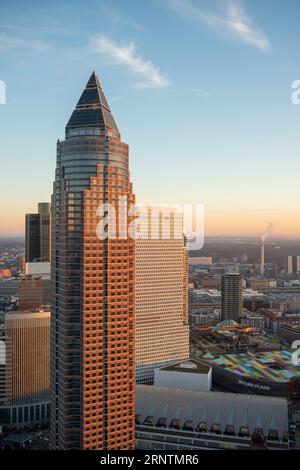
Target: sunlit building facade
column 93, row 285
column 162, row 332
column 24, row 369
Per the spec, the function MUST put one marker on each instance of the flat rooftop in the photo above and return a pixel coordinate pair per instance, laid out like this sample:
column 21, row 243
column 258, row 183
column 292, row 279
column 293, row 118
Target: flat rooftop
column 190, row 366
column 272, row 366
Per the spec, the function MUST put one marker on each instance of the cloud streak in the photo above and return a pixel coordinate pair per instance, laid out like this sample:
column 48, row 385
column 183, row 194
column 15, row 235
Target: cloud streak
column 9, row 43
column 128, row 56
column 231, row 21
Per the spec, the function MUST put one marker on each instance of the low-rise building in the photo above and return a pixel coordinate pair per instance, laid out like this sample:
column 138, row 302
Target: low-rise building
column 188, row 375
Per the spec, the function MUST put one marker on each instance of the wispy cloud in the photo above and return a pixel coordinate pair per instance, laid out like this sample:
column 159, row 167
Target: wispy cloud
column 128, row 56
column 9, row 43
column 232, row 20
column 114, row 99
column 117, row 17
column 205, row 94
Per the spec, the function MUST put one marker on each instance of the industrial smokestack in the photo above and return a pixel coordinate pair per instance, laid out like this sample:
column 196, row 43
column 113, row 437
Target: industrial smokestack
column 262, row 257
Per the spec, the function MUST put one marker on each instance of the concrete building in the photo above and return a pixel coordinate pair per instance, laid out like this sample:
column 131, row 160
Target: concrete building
column 188, row 375
column 231, row 297
column 254, row 321
column 162, row 332
column 200, row 260
column 289, row 333
column 24, row 369
column 169, row 419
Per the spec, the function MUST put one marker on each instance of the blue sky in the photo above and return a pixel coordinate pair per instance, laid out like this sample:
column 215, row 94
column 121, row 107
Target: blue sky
column 200, row 89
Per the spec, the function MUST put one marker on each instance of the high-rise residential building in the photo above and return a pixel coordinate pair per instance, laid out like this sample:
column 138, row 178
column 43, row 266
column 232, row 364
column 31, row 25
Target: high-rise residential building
column 162, row 332
column 231, row 297
column 24, row 368
column 93, row 284
column 37, row 234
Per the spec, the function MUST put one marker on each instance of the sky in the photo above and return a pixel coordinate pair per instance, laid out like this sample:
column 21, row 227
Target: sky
column 200, row 89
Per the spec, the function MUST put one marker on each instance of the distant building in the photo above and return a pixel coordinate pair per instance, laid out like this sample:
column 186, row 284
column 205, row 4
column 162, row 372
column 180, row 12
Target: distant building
column 20, row 263
column 289, row 333
column 162, row 332
column 188, row 375
column 5, row 273
column 24, row 369
column 290, row 265
column 35, row 286
column 298, row 264
column 231, row 297
column 254, row 321
column 32, row 237
column 37, row 234
column 198, row 260
column 211, row 282
column 204, row 316
column 261, row 283
column 169, row 419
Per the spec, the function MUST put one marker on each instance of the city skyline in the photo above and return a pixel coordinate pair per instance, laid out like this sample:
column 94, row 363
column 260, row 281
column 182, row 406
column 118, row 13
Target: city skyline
column 211, row 107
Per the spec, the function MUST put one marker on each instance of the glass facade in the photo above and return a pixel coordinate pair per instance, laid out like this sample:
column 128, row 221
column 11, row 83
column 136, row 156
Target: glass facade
column 92, row 331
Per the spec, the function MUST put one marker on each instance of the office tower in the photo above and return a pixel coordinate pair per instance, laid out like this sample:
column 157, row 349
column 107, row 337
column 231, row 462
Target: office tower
column 231, row 297
column 24, row 368
column 93, row 284
column 32, row 237
column 35, row 287
column 37, row 234
column 290, row 265
column 298, row 264
column 44, row 210
column 162, row 332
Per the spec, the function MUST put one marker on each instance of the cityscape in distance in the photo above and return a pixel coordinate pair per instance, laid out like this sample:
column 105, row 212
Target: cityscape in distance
column 150, row 235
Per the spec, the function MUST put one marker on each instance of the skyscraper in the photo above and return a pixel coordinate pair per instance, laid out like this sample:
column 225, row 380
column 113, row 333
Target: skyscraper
column 44, row 210
column 231, row 297
column 24, row 368
column 162, row 332
column 32, row 237
column 93, row 284
column 37, row 234
column 290, row 265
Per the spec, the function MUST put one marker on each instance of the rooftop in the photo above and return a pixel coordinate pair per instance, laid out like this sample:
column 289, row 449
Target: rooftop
column 191, row 366
column 273, row 366
column 251, row 411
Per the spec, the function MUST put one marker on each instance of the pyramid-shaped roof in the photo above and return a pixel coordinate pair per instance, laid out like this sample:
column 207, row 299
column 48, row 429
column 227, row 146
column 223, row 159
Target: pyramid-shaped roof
column 92, row 109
